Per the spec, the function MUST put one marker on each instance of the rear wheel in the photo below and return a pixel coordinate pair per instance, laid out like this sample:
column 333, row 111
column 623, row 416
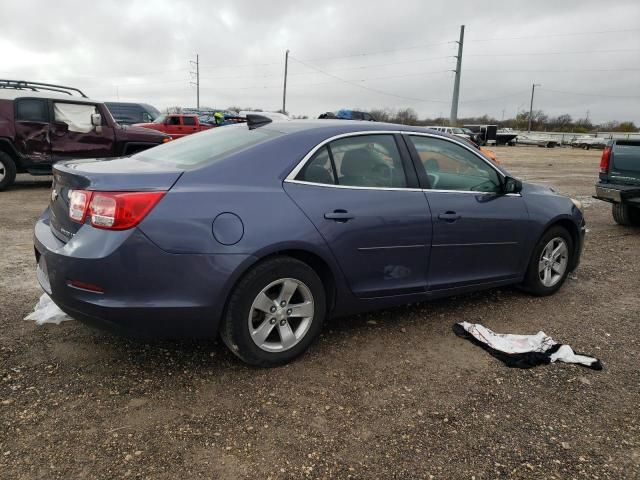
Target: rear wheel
column 274, row 313
column 549, row 264
column 624, row 214
column 7, row 171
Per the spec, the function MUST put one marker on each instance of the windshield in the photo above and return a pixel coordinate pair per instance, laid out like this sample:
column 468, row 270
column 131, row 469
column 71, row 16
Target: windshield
column 206, row 147
column 160, row 119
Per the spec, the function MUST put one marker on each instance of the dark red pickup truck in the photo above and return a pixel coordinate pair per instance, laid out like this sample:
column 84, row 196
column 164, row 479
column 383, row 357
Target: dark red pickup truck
column 176, row 125
column 43, row 123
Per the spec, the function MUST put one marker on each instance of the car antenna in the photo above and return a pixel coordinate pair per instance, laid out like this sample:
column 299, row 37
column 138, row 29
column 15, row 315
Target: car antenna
column 256, row 121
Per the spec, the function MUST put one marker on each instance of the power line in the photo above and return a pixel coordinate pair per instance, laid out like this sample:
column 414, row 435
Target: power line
column 537, row 70
column 521, row 54
column 337, row 79
column 591, row 94
column 569, row 34
column 364, row 87
column 496, row 98
column 380, row 52
column 315, row 72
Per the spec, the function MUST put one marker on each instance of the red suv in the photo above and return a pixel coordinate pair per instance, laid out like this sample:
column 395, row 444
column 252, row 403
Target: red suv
column 42, row 123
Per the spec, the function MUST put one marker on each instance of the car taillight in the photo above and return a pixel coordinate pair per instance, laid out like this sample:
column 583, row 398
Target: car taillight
column 115, row 210
column 605, row 159
column 78, row 203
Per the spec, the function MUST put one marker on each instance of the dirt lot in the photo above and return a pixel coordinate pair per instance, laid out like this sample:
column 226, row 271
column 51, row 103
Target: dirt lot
column 392, row 394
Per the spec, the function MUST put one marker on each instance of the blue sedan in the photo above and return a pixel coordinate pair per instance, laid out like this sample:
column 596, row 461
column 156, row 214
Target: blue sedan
column 259, row 232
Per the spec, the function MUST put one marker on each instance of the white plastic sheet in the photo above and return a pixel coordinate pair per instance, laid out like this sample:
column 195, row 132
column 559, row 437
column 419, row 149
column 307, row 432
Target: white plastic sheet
column 47, row 312
column 77, row 116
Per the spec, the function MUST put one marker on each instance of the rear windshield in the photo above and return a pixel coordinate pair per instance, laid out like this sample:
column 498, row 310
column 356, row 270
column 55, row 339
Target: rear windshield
column 626, row 157
column 206, row 147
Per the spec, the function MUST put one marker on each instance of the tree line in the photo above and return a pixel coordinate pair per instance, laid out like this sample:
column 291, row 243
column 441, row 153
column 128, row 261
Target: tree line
column 539, row 121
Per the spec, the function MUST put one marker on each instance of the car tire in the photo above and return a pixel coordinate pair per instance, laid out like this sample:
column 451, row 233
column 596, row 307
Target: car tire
column 7, row 170
column 624, row 214
column 262, row 331
column 535, row 281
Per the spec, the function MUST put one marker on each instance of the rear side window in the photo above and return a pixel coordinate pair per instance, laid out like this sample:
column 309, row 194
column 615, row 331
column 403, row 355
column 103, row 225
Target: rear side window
column 207, row 147
column 319, row 169
column 32, row 110
column 371, row 161
column 626, row 158
column 189, row 121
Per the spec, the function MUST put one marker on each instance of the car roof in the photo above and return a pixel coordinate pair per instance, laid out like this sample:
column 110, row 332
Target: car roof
column 12, row 94
column 336, row 127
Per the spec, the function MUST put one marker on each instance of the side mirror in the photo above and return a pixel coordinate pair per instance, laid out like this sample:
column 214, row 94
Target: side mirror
column 96, row 119
column 512, row 185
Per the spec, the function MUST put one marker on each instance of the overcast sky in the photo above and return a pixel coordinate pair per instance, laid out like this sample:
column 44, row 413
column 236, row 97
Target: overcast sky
column 355, row 54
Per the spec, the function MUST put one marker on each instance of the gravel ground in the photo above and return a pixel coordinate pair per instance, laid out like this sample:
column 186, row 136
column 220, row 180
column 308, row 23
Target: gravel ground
column 391, row 394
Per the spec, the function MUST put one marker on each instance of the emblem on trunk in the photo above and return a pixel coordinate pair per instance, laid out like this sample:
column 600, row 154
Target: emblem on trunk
column 54, row 195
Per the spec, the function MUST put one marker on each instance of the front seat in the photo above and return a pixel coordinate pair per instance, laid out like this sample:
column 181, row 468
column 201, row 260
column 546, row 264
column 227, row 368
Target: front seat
column 358, row 168
column 318, row 174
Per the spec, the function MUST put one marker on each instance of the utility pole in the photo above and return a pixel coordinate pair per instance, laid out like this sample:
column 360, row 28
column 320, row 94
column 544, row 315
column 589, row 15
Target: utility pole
column 453, row 119
column 197, row 82
column 533, row 91
column 284, row 90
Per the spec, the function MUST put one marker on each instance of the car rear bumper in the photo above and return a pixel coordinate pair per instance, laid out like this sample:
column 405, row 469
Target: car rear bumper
column 147, row 292
column 613, row 193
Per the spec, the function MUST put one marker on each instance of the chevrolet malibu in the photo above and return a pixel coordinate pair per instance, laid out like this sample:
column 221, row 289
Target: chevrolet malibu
column 259, row 232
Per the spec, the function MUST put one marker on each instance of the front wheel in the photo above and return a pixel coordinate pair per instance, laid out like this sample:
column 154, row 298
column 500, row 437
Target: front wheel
column 274, row 313
column 549, row 264
column 7, row 170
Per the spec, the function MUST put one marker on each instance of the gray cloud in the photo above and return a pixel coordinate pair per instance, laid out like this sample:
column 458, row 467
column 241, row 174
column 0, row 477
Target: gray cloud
column 390, row 54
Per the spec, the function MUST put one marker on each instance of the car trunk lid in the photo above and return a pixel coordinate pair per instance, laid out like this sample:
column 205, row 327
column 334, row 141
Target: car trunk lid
column 108, row 175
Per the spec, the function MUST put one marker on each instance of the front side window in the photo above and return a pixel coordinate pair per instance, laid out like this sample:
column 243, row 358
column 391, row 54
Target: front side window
column 77, row 116
column 32, row 110
column 368, row 161
column 450, row 166
column 173, row 121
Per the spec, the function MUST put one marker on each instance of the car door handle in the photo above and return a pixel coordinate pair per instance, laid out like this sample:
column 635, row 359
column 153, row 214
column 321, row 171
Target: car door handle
column 339, row 215
column 449, row 217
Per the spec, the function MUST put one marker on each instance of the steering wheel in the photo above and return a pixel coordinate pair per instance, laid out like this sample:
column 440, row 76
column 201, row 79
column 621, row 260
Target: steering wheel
column 488, row 181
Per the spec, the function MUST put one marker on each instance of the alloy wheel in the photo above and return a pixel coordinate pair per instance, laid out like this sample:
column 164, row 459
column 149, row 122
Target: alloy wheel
column 553, row 262
column 281, row 314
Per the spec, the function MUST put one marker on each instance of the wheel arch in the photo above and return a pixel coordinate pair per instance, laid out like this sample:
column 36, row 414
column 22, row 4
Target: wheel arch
column 308, row 255
column 570, row 226
column 7, row 147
